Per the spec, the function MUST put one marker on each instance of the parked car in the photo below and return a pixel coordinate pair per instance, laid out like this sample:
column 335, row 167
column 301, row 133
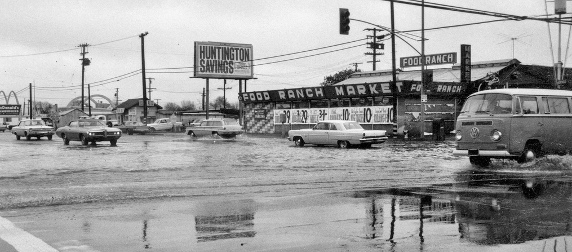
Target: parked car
column 342, row 133
column 32, row 128
column 164, row 124
column 88, row 130
column 3, row 127
column 131, row 127
column 223, row 127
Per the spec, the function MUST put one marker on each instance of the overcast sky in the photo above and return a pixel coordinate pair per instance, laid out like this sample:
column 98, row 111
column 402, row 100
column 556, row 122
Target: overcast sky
column 39, row 42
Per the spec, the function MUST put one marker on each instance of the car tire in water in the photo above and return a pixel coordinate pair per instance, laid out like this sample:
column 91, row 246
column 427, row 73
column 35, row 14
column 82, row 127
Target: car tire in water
column 299, row 142
column 529, row 154
column 66, row 140
column 480, row 161
column 343, row 144
column 83, row 140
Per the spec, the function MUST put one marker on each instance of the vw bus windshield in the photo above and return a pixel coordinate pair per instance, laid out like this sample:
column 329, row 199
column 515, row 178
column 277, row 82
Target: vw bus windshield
column 489, row 104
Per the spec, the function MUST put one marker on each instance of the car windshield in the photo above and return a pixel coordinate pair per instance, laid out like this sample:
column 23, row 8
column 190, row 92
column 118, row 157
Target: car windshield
column 90, row 123
column 352, row 125
column 36, row 122
column 230, row 121
column 489, row 104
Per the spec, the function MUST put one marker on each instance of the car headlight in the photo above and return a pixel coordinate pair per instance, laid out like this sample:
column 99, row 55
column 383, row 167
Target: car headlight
column 458, row 135
column 90, row 133
column 496, row 135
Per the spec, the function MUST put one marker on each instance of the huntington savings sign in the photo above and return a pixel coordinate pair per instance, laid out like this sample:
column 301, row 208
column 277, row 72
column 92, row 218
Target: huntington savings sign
column 223, row 60
column 353, row 91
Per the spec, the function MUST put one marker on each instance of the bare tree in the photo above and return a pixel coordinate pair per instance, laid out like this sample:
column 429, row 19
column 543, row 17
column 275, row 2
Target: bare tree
column 171, row 106
column 188, row 105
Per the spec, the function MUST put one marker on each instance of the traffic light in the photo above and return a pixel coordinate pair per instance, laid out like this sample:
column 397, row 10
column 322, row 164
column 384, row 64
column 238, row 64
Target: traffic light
column 344, row 21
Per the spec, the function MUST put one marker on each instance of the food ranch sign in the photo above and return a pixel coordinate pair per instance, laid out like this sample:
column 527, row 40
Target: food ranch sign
column 352, row 91
column 223, row 60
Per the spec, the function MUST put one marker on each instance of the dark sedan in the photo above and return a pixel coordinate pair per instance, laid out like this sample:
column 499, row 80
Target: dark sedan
column 88, row 130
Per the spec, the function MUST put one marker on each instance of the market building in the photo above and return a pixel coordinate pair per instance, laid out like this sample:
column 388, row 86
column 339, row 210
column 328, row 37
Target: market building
column 367, row 97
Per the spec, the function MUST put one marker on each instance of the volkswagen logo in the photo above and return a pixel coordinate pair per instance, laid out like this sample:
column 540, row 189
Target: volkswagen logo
column 474, row 132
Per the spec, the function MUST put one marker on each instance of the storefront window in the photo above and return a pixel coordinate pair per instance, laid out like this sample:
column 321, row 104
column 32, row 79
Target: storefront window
column 382, row 101
column 319, row 103
column 300, row 104
column 285, row 105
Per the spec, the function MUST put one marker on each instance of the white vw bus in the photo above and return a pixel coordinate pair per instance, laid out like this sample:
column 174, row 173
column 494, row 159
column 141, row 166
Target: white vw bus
column 519, row 124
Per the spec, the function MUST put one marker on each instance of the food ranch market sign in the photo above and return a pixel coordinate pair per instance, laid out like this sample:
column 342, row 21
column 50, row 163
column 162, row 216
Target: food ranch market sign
column 223, row 60
column 432, row 59
column 352, row 91
column 366, row 115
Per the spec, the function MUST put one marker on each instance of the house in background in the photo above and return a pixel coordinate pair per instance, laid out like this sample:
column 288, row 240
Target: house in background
column 132, row 110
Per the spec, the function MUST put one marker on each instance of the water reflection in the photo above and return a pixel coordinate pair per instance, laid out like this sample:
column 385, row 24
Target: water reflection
column 487, row 208
column 225, row 220
column 497, row 208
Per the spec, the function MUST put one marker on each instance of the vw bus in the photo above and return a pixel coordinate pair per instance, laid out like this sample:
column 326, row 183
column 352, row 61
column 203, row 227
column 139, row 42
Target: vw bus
column 519, row 124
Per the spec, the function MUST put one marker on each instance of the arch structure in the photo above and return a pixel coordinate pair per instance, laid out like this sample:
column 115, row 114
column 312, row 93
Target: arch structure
column 71, row 103
column 7, row 98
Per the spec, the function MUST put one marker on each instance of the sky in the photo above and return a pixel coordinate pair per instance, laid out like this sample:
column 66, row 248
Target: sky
column 39, row 42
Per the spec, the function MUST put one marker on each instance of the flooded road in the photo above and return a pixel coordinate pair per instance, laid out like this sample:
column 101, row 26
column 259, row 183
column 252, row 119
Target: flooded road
column 166, row 192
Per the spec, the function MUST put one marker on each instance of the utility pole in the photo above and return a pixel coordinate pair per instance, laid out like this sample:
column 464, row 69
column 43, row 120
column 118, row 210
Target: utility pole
column 30, row 104
column 142, row 36
column 203, row 95
column 393, row 69
column 422, row 116
column 84, row 62
column 374, row 45
column 355, row 65
column 89, row 98
column 150, row 89
column 116, row 97
column 224, row 94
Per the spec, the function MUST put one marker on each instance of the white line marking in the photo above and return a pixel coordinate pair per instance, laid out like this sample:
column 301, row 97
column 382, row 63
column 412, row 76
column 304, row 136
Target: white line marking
column 21, row 240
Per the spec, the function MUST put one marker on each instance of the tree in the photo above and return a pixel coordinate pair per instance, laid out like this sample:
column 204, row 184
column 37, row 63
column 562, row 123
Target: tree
column 338, row 77
column 188, row 105
column 219, row 102
column 171, row 106
column 43, row 107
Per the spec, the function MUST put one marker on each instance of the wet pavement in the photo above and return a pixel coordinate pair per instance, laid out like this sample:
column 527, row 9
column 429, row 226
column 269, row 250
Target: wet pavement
column 166, row 192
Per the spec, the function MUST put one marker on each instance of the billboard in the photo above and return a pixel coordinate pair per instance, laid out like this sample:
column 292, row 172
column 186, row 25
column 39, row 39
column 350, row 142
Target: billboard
column 10, row 109
column 223, row 60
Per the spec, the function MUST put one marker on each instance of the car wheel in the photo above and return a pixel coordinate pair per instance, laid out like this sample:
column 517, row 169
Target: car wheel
column 49, row 137
column 299, row 142
column 66, row 140
column 343, row 144
column 530, row 153
column 113, row 142
column 152, row 130
column 480, row 161
column 192, row 134
column 83, row 140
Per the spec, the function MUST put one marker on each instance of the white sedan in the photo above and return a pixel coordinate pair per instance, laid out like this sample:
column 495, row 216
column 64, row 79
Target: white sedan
column 337, row 132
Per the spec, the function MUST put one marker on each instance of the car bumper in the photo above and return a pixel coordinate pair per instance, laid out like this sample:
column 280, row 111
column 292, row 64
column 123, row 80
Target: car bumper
column 40, row 133
column 101, row 138
column 484, row 153
column 373, row 140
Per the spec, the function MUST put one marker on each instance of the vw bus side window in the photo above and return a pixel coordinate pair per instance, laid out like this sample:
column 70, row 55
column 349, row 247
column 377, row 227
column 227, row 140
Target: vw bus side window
column 529, row 105
column 556, row 105
column 488, row 103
